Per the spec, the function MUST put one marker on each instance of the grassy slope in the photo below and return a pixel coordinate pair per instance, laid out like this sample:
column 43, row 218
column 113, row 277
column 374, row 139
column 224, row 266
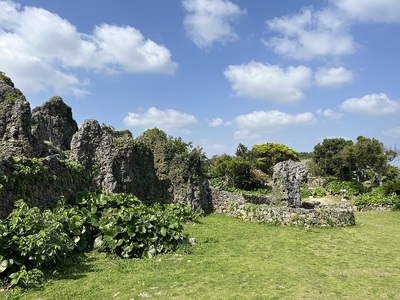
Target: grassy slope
column 238, row 260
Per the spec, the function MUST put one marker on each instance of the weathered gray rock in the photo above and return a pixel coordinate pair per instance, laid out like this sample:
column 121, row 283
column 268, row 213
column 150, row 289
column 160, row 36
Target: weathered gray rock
column 15, row 121
column 152, row 167
column 132, row 171
column 182, row 169
column 288, row 177
column 43, row 182
column 53, row 122
column 92, row 148
column 117, row 166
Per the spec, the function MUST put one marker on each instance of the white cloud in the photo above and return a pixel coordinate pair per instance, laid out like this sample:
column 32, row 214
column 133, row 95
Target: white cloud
column 163, row 119
column 311, row 34
column 218, row 122
column 330, row 114
column 393, row 132
column 269, row 82
column 125, row 49
column 209, row 21
column 254, row 124
column 373, row 104
column 380, row 11
column 333, row 77
column 41, row 50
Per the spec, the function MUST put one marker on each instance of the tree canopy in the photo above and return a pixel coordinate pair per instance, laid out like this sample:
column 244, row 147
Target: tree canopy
column 250, row 169
column 347, row 160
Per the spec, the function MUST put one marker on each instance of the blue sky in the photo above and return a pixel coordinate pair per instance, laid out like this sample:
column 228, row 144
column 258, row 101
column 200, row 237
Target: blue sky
column 214, row 72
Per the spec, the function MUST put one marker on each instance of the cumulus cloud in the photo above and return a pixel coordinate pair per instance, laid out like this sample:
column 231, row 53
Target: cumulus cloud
column 333, row 77
column 330, row 114
column 209, row 21
column 256, row 123
column 379, row 11
column 125, row 49
column 163, row 119
column 311, row 34
column 42, row 51
column 269, row 82
column 373, row 104
column 218, row 122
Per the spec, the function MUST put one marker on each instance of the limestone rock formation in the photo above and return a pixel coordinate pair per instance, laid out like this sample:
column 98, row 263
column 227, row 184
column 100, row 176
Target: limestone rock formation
column 92, row 148
column 40, row 182
column 146, row 167
column 115, row 163
column 53, row 122
column 34, row 164
column 288, row 177
column 181, row 168
column 15, row 121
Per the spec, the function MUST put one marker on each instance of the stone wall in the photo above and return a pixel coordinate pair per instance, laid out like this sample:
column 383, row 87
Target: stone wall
column 222, row 200
column 320, row 216
column 264, row 209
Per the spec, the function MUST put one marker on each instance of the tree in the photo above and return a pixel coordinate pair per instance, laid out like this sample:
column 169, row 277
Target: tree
column 269, row 154
column 371, row 154
column 344, row 159
column 334, row 157
column 242, row 151
column 234, row 171
column 305, row 155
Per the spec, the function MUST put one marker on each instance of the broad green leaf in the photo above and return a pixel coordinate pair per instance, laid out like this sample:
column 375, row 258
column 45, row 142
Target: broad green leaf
column 98, row 243
column 163, row 231
column 3, row 265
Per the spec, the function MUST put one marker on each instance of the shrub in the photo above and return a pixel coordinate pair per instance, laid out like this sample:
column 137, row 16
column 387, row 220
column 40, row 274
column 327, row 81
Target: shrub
column 390, row 187
column 352, row 188
column 182, row 212
column 30, row 241
column 129, row 228
column 376, row 198
column 305, row 192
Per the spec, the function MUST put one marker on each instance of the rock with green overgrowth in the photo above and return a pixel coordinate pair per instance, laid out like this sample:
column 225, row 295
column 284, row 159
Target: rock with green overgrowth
column 53, row 123
column 15, row 121
column 44, row 155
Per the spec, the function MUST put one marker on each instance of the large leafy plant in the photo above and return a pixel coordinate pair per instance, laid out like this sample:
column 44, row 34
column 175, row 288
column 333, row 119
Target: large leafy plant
column 377, row 197
column 32, row 240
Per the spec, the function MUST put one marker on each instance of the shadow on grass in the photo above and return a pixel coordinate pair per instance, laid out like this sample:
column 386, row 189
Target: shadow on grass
column 74, row 267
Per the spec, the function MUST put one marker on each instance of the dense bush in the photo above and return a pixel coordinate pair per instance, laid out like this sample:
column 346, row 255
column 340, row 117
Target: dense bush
column 219, row 184
column 352, row 188
column 391, row 187
column 376, row 198
column 32, row 240
column 306, row 192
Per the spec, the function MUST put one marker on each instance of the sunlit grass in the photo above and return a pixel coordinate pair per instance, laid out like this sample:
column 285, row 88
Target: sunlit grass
column 234, row 259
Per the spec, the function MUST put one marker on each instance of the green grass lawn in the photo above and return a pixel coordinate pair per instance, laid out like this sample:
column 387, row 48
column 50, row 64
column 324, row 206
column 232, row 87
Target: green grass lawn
column 234, row 259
